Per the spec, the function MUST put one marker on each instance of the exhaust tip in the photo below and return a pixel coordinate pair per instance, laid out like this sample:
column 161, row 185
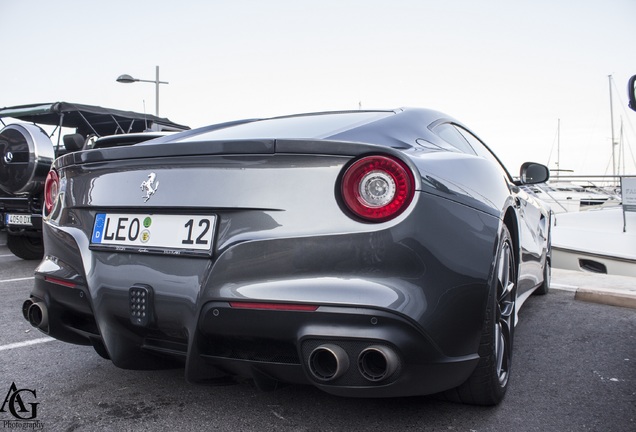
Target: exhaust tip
column 25, row 308
column 328, row 362
column 38, row 316
column 376, row 363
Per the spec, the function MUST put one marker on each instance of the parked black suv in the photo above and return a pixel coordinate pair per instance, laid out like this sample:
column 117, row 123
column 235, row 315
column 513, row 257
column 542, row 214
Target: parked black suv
column 27, row 151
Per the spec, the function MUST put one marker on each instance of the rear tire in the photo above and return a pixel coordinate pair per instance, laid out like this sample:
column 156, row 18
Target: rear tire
column 28, row 248
column 488, row 383
column 544, row 288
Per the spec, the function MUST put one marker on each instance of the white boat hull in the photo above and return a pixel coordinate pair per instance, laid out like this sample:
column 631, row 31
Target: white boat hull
column 594, row 241
column 580, row 261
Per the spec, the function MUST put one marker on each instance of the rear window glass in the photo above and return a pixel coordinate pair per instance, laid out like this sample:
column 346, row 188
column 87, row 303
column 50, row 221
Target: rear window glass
column 451, row 135
column 303, row 127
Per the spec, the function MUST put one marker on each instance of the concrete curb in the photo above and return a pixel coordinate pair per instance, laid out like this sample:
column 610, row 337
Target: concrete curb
column 607, row 296
column 597, row 288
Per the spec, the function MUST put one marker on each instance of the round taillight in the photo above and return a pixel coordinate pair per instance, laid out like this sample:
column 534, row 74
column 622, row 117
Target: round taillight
column 51, row 189
column 378, row 188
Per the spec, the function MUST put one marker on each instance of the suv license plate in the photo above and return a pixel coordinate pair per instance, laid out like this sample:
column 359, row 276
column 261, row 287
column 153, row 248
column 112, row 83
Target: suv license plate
column 18, row 219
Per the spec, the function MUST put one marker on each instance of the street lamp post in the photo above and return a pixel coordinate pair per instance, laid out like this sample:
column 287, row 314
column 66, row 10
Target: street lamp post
column 127, row 79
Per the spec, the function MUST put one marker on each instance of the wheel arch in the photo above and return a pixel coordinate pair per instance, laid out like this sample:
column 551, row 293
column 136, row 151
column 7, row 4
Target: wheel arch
column 511, row 222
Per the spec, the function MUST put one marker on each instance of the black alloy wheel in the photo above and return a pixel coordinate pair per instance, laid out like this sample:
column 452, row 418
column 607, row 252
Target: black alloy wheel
column 505, row 312
column 488, row 383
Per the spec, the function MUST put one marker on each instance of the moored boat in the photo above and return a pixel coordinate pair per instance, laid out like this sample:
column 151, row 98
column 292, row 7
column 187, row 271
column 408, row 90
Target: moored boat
column 595, row 241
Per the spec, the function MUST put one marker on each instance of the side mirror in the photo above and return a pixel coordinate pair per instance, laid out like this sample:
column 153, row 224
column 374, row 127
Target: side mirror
column 631, row 89
column 533, row 173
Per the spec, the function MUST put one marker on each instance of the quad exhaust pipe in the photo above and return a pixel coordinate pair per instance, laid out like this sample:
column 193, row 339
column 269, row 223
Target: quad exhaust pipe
column 377, row 362
column 36, row 314
column 328, row 362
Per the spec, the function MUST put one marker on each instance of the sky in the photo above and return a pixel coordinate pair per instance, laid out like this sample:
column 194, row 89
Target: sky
column 523, row 75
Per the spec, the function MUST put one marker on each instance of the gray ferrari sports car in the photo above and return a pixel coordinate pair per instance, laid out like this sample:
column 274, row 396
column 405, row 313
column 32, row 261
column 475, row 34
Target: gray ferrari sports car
column 368, row 253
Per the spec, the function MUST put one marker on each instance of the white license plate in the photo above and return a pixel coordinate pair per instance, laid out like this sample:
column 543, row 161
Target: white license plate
column 18, row 219
column 154, row 233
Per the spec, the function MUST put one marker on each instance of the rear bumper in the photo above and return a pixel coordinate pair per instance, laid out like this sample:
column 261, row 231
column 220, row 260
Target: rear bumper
column 260, row 344
column 23, row 206
column 33, row 230
column 418, row 301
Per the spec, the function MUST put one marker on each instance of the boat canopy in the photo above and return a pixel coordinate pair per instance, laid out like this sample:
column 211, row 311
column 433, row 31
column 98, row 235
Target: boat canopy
column 88, row 119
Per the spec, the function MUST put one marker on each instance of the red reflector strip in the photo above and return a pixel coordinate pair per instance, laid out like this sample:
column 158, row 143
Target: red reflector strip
column 274, row 306
column 59, row 282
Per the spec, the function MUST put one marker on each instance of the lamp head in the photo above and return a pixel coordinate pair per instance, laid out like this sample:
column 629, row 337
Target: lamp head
column 126, row 79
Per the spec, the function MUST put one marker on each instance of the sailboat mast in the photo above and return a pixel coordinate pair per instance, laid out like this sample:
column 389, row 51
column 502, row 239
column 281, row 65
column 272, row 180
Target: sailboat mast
column 612, row 125
column 558, row 162
column 621, row 150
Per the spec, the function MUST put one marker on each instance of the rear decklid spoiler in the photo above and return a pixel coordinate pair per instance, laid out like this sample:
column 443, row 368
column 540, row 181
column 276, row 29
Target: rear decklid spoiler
column 236, row 147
